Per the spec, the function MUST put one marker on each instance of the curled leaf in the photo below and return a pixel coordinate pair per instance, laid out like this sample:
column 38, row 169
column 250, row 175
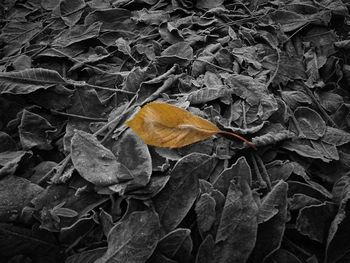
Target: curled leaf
column 164, row 125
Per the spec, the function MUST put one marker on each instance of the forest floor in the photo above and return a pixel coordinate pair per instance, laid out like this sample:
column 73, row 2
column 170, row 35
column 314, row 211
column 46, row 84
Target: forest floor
column 77, row 185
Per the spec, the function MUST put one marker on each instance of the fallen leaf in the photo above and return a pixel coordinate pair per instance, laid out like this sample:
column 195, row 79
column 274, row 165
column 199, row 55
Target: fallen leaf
column 94, row 162
column 15, row 192
column 164, row 125
column 178, row 196
column 176, row 246
column 133, row 239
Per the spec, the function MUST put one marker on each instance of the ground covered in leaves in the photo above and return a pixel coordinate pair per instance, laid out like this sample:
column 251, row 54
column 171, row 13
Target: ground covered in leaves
column 77, row 185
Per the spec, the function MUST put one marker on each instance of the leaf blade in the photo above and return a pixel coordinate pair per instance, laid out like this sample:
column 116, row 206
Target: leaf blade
column 29, row 80
column 133, row 239
column 164, row 125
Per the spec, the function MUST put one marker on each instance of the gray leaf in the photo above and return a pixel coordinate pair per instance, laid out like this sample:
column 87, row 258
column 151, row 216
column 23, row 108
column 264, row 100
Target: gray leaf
column 134, row 158
column 94, row 162
column 239, row 169
column 29, row 80
column 15, row 194
column 336, row 136
column 133, row 239
column 178, row 196
column 34, row 131
column 271, row 229
column 238, row 225
column 310, row 122
column 314, row 220
column 176, row 245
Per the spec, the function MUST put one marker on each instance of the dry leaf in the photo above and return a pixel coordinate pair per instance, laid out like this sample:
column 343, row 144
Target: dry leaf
column 164, row 125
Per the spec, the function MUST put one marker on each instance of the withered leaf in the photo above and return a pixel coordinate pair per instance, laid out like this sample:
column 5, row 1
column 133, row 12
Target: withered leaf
column 164, row 125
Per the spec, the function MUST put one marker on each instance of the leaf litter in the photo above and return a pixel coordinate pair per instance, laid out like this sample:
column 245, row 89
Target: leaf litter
column 174, row 131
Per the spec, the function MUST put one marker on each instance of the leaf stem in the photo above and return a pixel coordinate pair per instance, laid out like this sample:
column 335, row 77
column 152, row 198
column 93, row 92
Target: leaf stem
column 264, row 174
column 319, row 106
column 261, row 181
column 273, row 76
column 236, row 136
column 103, row 88
column 295, row 122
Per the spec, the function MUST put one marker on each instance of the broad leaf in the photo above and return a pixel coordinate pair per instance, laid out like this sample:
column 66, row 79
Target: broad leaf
column 286, row 256
column 85, row 102
column 239, row 169
column 15, row 194
column 295, row 98
column 29, row 80
column 94, row 162
column 10, row 161
column 155, row 185
column 87, row 256
column 289, row 20
column 179, row 53
column 272, row 218
column 207, row 4
column 315, row 220
column 238, row 225
column 205, row 210
column 15, row 240
column 204, row 95
column 240, row 208
column 164, row 125
column 111, row 19
column 205, row 251
column 310, row 122
column 336, row 136
column 34, row 131
column 176, row 245
column 135, row 164
column 304, row 150
column 71, row 11
column 7, row 143
column 179, row 194
column 77, row 34
column 133, row 239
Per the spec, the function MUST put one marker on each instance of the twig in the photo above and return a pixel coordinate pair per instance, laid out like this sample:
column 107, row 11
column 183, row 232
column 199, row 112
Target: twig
column 163, row 76
column 59, row 168
column 114, row 123
column 167, row 84
column 42, row 30
column 78, row 116
column 295, row 32
column 103, row 88
column 244, row 115
column 250, row 12
column 215, row 66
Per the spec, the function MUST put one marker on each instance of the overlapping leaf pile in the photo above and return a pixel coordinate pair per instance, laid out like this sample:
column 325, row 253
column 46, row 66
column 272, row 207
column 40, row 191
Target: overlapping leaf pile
column 76, row 185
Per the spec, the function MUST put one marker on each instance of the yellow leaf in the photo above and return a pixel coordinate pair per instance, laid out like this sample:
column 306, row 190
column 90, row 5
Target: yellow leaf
column 164, row 125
